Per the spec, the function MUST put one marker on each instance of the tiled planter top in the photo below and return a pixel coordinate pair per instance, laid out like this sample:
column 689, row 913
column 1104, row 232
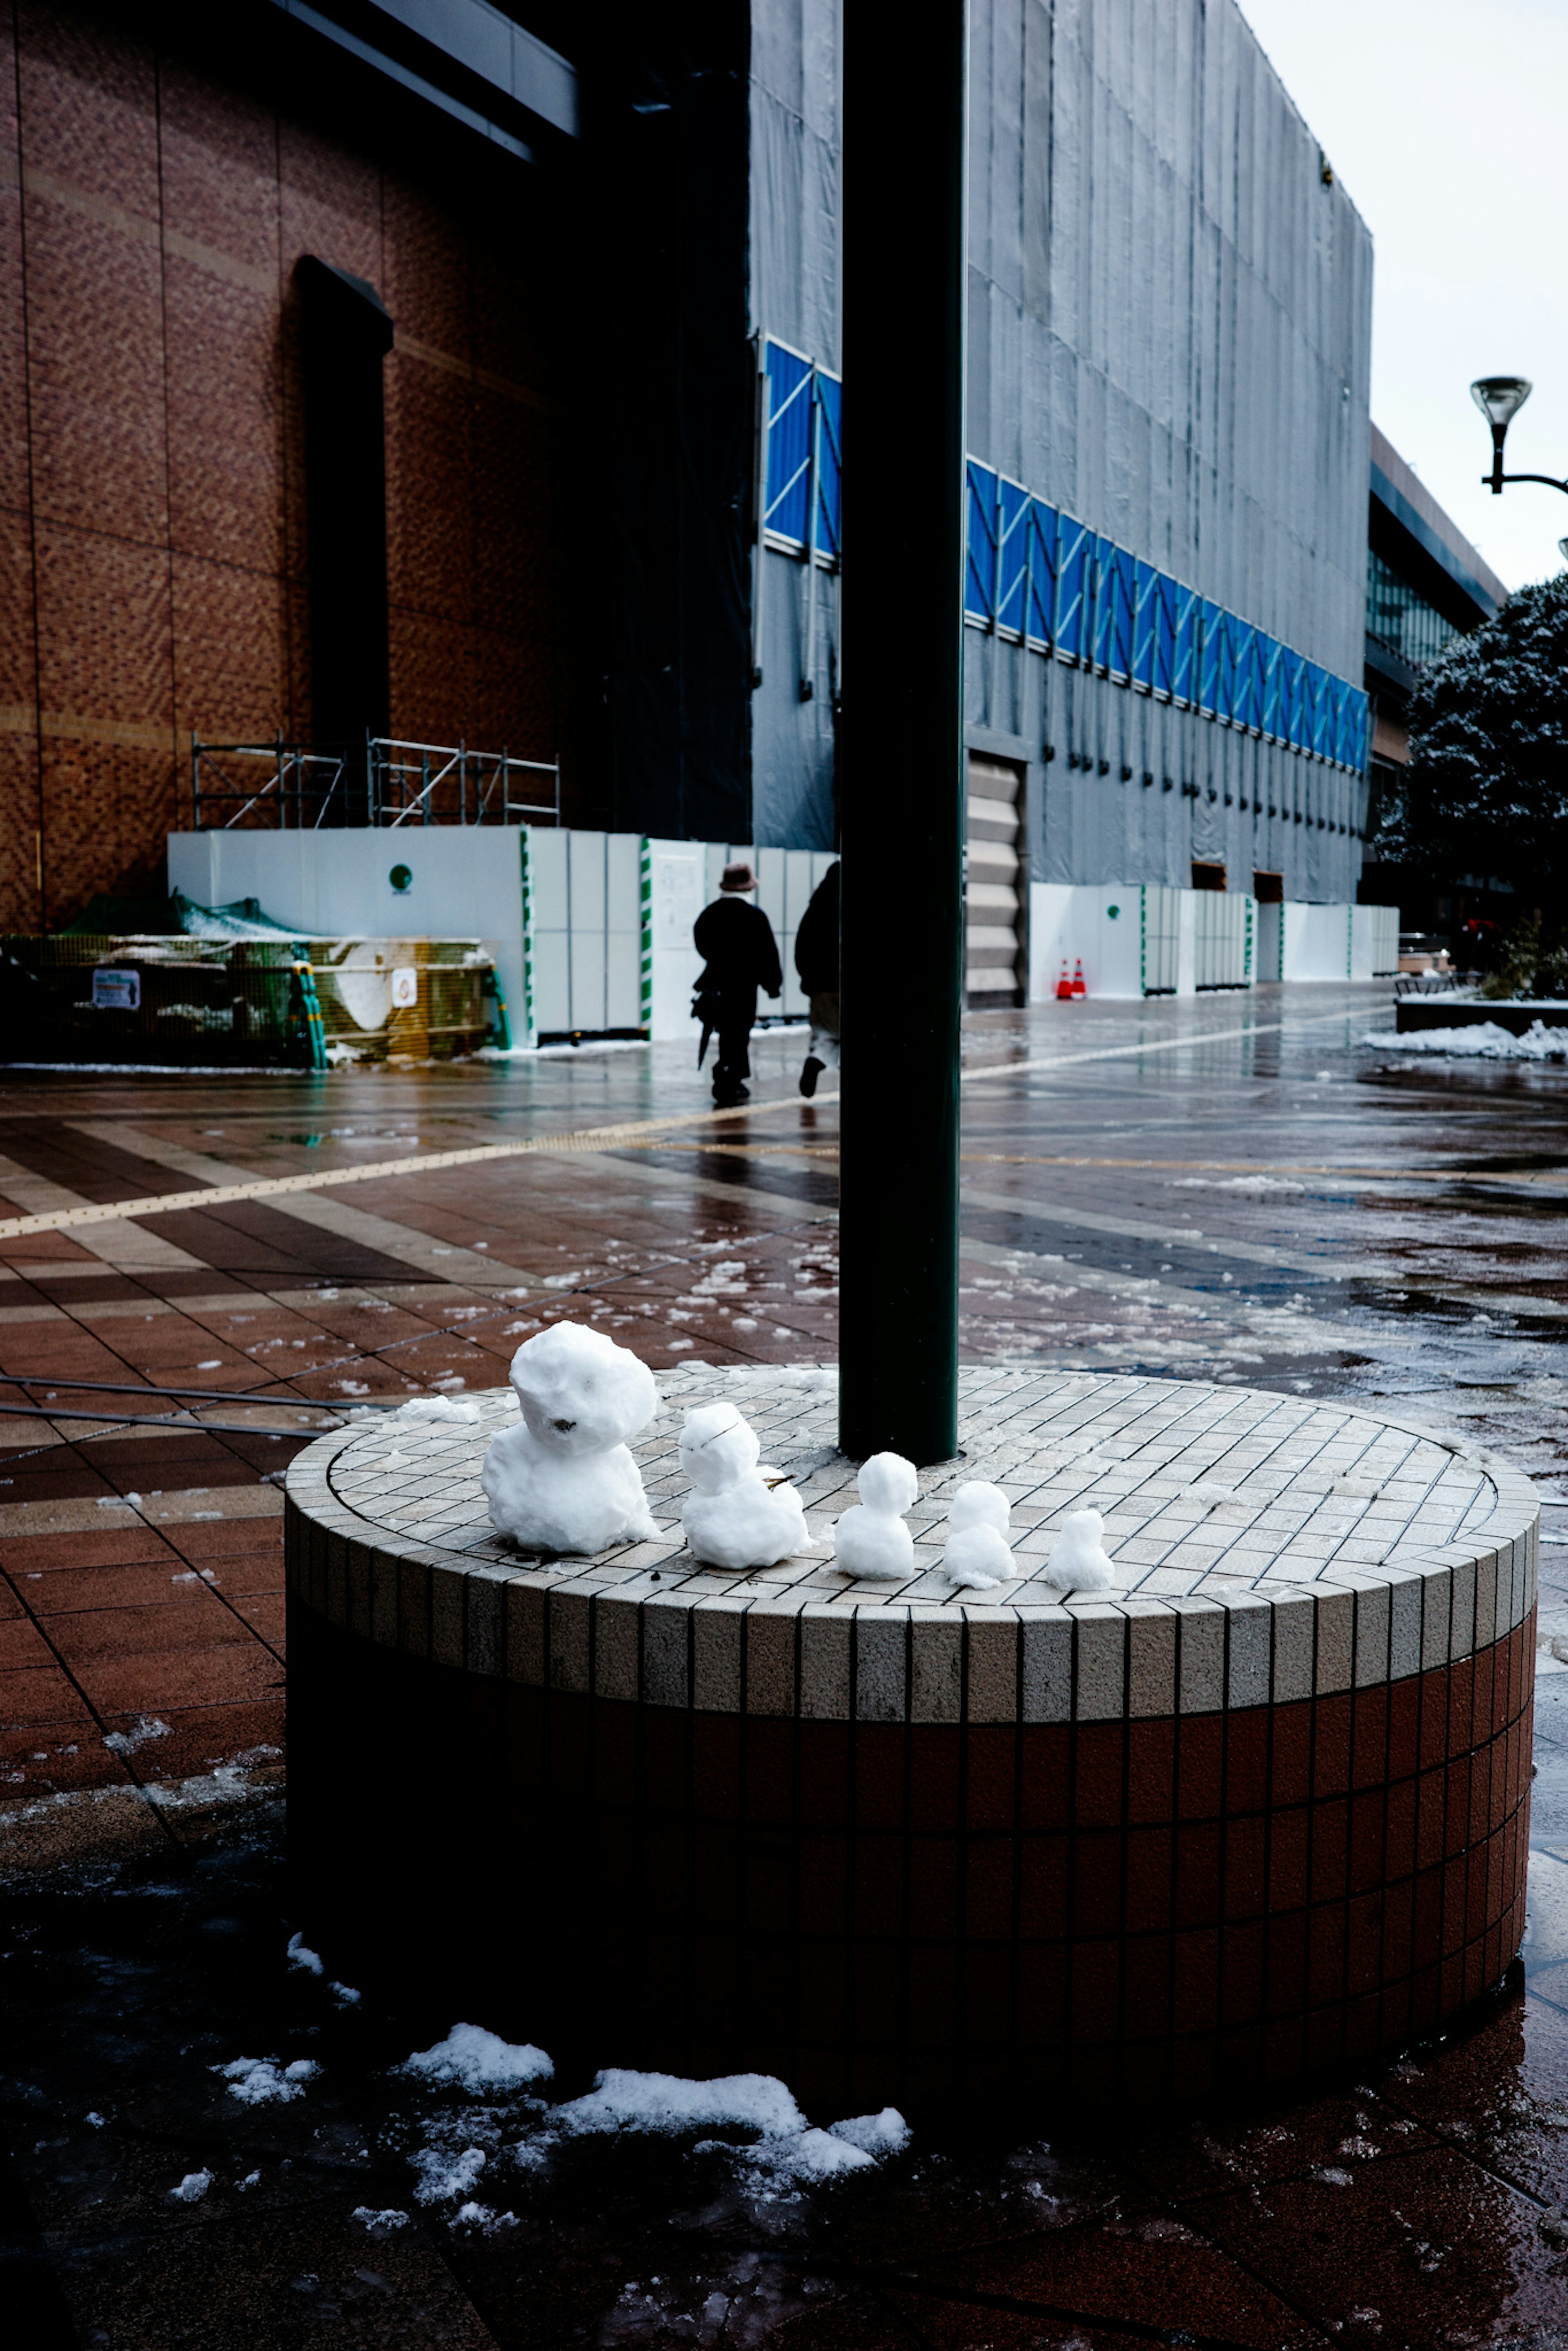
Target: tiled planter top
column 1323, row 1549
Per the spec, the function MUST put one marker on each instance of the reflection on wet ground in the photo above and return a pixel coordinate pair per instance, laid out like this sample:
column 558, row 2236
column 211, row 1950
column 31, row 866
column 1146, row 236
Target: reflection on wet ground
column 1231, row 1189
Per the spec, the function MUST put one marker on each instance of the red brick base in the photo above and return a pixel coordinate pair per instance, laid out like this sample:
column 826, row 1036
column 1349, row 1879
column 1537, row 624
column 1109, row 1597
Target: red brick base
column 882, row 1912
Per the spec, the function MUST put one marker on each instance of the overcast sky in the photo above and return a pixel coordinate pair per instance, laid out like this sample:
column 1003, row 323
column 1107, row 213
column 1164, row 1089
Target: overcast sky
column 1444, row 122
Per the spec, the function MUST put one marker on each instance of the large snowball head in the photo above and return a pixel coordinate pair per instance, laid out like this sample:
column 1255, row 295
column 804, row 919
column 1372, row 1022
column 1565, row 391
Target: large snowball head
column 888, row 1482
column 579, row 1392
column 717, row 1446
column 977, row 1504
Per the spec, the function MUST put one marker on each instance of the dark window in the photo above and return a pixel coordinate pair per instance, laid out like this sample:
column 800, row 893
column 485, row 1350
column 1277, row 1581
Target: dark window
column 1399, row 619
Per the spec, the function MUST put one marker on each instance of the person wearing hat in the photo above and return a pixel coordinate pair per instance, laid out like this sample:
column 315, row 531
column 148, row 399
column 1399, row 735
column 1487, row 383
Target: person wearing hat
column 740, row 954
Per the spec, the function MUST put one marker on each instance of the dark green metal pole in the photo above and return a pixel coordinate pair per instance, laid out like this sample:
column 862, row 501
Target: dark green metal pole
column 901, row 733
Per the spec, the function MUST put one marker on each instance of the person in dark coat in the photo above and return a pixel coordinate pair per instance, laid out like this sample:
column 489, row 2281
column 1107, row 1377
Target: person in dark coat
column 735, row 938
column 817, row 961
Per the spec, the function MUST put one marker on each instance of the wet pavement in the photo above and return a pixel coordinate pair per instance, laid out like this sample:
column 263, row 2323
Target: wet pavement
column 1230, row 1187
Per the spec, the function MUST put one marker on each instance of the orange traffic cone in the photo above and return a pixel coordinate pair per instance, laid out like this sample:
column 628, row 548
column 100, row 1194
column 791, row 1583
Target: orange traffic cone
column 1078, row 987
column 1063, row 986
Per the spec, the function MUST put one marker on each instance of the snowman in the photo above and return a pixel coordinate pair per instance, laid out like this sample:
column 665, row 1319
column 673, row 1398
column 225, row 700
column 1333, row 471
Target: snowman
column 979, row 1556
column 1079, row 1561
column 739, row 1516
column 871, row 1539
column 561, row 1479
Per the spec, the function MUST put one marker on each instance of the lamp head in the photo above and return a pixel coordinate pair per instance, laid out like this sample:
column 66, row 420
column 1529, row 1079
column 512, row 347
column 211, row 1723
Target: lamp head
column 1499, row 398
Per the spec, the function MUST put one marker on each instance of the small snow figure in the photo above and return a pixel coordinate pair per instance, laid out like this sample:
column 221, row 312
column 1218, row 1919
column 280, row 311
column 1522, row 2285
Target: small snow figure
column 740, row 1516
column 977, row 1556
column 872, row 1540
column 561, row 1479
column 1079, row 1562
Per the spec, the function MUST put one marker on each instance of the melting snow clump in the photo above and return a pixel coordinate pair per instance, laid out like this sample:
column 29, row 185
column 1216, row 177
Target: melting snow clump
column 1487, row 1041
column 442, row 2176
column 807, row 2157
column 379, row 2224
column 485, row 2218
column 145, row 1727
column 301, row 1956
column 1079, row 1562
column 562, row 1478
column 884, row 2133
column 620, row 2100
column 191, row 2189
column 739, row 1516
column 261, row 2082
column 787, row 2154
column 438, row 1408
column 475, row 2060
column 872, row 1540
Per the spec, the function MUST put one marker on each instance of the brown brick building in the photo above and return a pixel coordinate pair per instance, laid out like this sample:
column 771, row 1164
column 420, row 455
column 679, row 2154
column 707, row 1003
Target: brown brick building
column 159, row 182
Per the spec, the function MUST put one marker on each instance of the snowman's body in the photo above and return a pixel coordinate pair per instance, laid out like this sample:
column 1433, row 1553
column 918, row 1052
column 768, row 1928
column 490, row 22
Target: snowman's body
column 562, row 1478
column 871, row 1540
column 977, row 1556
column 735, row 1518
column 1079, row 1562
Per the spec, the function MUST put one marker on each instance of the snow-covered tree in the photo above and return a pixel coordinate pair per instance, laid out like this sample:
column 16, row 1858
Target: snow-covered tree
column 1486, row 792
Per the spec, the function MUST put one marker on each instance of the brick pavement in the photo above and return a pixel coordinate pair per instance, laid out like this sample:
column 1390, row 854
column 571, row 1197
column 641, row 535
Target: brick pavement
column 1416, row 2206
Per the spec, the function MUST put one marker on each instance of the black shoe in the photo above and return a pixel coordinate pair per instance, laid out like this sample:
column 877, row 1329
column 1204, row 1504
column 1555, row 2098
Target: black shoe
column 809, row 1074
column 731, row 1095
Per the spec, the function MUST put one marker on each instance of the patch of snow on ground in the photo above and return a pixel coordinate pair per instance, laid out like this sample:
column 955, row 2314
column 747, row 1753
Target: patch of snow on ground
column 485, row 2218
column 301, row 1956
column 884, row 2133
column 261, row 2082
column 475, row 2060
column 1250, row 1183
column 145, row 1727
column 379, row 2224
column 1487, row 1041
column 800, row 2160
column 621, row 2100
column 443, row 2176
column 191, row 2189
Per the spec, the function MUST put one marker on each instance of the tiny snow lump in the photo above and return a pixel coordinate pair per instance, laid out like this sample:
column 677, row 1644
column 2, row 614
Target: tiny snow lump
column 735, row 1519
column 977, row 1556
column 1079, row 1562
column 562, row 1478
column 871, row 1539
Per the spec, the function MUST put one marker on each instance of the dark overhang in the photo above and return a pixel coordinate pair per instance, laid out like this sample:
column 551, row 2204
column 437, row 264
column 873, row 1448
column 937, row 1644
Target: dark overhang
column 464, row 56
column 1404, row 537
column 1386, row 669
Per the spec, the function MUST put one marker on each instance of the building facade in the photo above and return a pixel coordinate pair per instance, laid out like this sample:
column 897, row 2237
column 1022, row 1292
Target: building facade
column 1426, row 584
column 599, row 282
column 167, row 171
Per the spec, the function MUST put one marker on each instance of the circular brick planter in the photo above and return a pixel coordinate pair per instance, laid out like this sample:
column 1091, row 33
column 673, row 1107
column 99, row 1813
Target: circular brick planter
column 1263, row 1810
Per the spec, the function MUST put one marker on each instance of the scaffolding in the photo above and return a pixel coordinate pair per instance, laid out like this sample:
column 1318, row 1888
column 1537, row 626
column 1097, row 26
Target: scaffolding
column 285, row 787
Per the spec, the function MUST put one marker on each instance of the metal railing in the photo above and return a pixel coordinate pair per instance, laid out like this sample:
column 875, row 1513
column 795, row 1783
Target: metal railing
column 434, row 783
column 285, row 787
column 276, row 786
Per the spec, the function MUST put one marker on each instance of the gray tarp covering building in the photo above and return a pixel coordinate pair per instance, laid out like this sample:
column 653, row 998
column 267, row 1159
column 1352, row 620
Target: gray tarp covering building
column 1169, row 349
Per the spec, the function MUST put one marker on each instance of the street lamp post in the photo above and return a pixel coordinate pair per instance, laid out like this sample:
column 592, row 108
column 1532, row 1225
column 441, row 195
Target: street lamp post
column 1500, row 399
